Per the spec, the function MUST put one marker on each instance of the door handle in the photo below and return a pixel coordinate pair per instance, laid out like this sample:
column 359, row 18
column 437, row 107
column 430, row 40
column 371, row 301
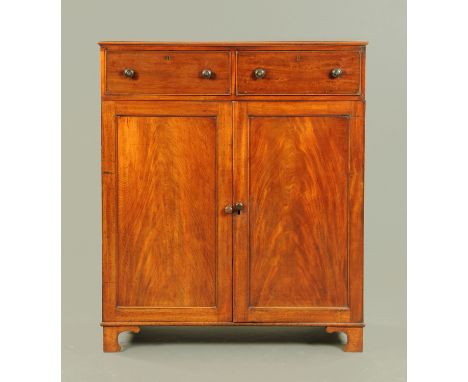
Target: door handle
column 238, row 207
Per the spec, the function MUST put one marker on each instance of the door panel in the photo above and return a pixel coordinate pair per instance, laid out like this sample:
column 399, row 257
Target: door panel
column 166, row 211
column 298, row 202
column 292, row 167
column 173, row 176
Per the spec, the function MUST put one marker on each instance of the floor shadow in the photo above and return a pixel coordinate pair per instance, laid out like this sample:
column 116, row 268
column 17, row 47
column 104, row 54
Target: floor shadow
column 236, row 335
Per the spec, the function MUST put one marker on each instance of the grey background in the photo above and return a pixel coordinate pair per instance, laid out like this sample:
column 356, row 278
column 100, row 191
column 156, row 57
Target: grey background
column 235, row 354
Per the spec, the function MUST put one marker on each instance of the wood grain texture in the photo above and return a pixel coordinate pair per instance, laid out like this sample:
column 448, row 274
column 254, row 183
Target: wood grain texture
column 111, row 336
column 167, row 72
column 293, row 168
column 298, row 73
column 166, row 211
column 169, row 254
column 354, row 337
column 298, row 198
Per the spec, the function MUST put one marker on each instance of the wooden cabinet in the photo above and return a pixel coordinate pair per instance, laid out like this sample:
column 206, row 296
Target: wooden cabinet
column 232, row 180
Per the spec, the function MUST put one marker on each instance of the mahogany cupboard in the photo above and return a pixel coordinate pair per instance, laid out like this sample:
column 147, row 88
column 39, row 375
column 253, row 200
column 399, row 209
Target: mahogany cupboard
column 232, row 185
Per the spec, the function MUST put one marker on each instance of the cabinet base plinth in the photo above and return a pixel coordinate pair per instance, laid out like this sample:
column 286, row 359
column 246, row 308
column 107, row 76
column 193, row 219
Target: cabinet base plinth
column 354, row 331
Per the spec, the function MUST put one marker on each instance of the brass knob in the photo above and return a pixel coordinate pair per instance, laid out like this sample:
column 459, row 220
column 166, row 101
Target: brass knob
column 259, row 73
column 207, row 73
column 129, row 73
column 336, row 72
column 228, row 209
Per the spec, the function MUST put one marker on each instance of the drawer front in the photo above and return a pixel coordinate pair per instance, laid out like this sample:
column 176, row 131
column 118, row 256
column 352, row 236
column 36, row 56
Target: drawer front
column 296, row 73
column 167, row 72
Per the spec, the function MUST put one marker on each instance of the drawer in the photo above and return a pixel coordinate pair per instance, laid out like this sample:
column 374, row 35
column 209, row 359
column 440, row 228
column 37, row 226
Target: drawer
column 167, row 72
column 299, row 73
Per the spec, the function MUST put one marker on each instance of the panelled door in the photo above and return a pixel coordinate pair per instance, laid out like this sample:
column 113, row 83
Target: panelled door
column 298, row 169
column 167, row 243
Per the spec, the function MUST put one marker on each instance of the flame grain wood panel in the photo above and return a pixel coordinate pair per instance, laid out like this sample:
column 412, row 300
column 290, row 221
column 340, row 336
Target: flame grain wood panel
column 298, row 171
column 166, row 205
column 232, row 200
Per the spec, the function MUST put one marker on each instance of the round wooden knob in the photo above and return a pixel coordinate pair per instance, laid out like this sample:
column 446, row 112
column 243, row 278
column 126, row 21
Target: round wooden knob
column 336, row 72
column 129, row 73
column 207, row 74
column 260, row 73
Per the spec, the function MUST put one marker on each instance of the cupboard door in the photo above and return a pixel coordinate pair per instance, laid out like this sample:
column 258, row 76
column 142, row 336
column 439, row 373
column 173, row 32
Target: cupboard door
column 298, row 168
column 167, row 175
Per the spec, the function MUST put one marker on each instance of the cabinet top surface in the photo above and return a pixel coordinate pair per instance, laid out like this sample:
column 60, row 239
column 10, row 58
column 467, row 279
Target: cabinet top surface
column 234, row 44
